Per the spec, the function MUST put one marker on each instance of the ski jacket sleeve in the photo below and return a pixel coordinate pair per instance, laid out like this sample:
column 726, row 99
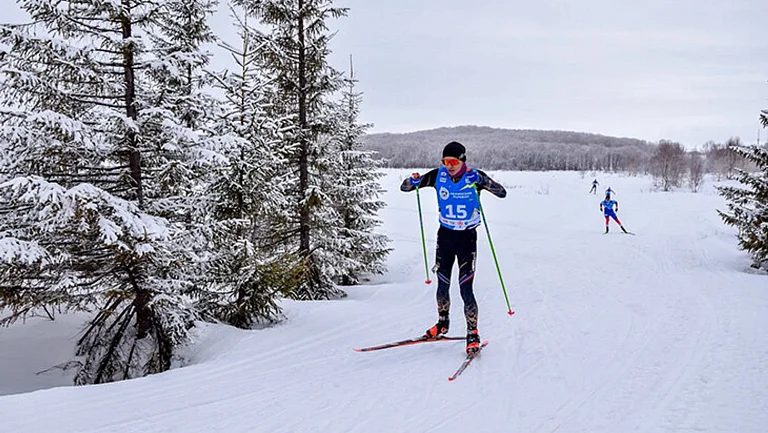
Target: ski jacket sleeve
column 427, row 179
column 492, row 186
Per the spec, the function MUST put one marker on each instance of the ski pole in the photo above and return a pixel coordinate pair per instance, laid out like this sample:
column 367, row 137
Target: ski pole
column 493, row 250
column 423, row 242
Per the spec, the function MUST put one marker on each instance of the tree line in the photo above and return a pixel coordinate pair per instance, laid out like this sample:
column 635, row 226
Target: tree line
column 514, row 149
column 141, row 186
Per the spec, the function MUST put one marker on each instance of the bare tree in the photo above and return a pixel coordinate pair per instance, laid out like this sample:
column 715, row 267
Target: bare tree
column 713, row 153
column 668, row 164
column 733, row 159
column 695, row 170
column 722, row 159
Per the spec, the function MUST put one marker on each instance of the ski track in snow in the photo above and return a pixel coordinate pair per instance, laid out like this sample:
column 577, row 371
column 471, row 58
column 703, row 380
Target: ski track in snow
column 659, row 332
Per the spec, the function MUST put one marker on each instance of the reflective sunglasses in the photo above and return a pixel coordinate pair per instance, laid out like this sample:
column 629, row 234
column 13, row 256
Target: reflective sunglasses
column 451, row 162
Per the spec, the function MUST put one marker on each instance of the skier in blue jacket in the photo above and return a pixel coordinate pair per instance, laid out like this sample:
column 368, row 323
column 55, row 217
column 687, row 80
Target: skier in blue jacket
column 457, row 238
column 607, row 207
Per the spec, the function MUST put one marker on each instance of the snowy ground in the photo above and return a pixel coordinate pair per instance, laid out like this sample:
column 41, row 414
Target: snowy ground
column 659, row 332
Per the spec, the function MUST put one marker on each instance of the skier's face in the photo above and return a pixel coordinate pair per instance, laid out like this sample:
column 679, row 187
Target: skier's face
column 453, row 165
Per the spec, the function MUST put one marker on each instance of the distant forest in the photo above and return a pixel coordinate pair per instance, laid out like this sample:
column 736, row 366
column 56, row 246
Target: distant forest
column 515, row 149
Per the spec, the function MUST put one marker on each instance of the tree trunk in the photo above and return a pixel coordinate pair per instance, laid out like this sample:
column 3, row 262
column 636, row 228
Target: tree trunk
column 304, row 222
column 134, row 156
column 142, row 297
column 143, row 312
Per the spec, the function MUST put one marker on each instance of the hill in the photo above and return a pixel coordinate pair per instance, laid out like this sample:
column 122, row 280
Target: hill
column 514, row 149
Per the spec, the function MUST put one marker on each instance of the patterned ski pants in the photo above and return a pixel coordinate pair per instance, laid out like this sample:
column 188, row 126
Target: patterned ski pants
column 453, row 245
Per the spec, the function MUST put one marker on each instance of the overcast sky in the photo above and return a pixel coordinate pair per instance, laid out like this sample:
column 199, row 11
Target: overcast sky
column 684, row 70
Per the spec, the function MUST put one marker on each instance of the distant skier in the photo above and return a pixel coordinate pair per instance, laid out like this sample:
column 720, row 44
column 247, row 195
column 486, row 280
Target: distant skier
column 595, row 183
column 609, row 191
column 457, row 237
column 607, row 207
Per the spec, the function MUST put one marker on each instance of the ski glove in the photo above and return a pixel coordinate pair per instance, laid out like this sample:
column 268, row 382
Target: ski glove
column 474, row 177
column 415, row 180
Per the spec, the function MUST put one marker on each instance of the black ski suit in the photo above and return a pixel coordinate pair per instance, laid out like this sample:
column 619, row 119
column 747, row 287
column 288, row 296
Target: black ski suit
column 456, row 244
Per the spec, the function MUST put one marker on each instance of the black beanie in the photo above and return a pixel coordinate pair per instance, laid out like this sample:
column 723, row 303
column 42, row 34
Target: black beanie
column 456, row 150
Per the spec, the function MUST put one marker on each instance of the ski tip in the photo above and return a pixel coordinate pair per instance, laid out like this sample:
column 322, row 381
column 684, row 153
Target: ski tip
column 510, row 312
column 358, row 350
column 428, row 282
column 450, row 379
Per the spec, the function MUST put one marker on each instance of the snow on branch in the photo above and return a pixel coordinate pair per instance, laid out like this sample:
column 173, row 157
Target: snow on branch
column 17, row 250
column 86, row 206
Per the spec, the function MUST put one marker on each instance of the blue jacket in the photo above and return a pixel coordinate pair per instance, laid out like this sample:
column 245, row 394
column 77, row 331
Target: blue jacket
column 607, row 206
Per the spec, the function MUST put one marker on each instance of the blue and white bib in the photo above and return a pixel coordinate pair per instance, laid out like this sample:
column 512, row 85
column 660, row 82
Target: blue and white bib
column 459, row 207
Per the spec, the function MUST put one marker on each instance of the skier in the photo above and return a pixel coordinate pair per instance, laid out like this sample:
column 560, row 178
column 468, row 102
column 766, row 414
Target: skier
column 607, row 207
column 457, row 237
column 595, row 183
column 609, row 191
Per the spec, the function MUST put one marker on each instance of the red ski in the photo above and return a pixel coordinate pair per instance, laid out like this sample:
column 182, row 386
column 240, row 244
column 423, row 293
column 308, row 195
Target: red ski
column 419, row 340
column 467, row 361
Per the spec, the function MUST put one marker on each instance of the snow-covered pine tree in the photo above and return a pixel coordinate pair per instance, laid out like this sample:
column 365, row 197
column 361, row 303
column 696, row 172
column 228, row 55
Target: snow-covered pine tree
column 183, row 30
column 294, row 54
column 41, row 136
column 764, row 118
column 748, row 205
column 90, row 216
column 248, row 267
column 178, row 113
column 355, row 191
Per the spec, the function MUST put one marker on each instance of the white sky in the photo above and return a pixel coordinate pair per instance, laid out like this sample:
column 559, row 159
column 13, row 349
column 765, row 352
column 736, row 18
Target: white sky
column 685, row 70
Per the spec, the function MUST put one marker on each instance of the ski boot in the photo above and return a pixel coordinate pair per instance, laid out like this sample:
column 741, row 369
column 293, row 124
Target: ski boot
column 606, row 229
column 439, row 330
column 623, row 229
column 473, row 342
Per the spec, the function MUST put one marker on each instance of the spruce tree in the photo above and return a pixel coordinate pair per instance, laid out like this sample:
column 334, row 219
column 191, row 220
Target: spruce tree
column 355, row 193
column 294, row 54
column 764, row 118
column 748, row 205
column 248, row 267
column 101, row 165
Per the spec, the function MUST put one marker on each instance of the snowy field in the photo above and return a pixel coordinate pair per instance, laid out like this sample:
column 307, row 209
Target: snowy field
column 660, row 332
